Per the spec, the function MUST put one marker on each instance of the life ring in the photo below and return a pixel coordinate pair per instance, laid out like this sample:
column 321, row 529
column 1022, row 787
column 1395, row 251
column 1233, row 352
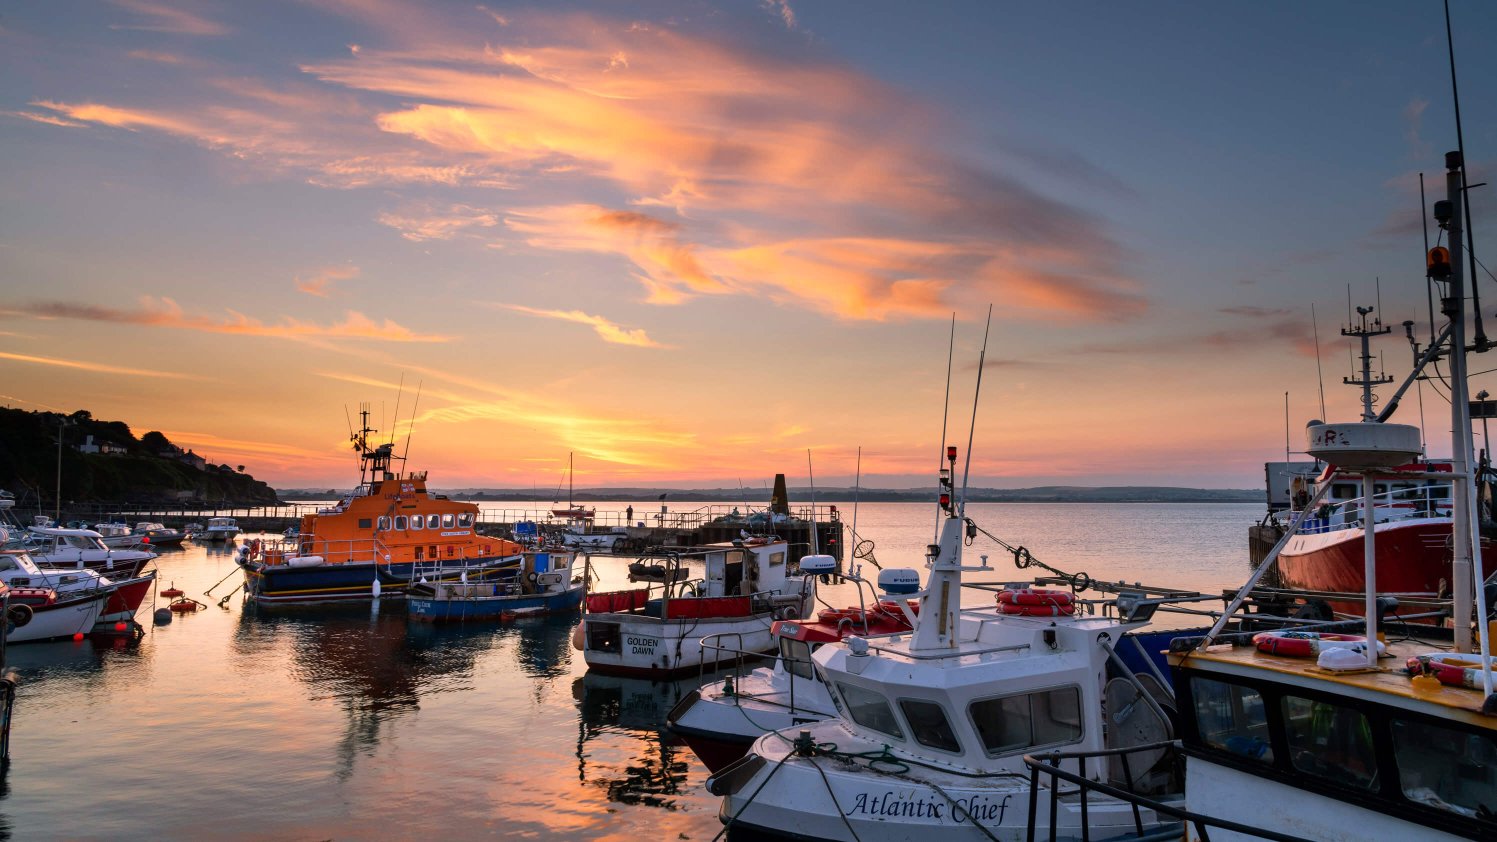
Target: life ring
column 1036, row 602
column 1450, row 668
column 833, row 616
column 787, row 612
column 1303, row 644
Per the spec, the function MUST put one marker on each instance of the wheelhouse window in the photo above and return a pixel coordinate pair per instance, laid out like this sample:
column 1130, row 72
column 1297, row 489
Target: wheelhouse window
column 870, row 710
column 416, row 522
column 929, row 725
column 776, row 559
column 795, row 655
column 1330, row 741
column 447, row 521
column 384, row 523
column 1446, row 769
column 365, row 522
column 401, row 523
column 465, row 519
column 433, row 521
column 1231, row 718
column 1011, row 723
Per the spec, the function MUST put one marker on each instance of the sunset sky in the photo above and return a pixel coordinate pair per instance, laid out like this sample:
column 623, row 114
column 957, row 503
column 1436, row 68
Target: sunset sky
column 689, row 241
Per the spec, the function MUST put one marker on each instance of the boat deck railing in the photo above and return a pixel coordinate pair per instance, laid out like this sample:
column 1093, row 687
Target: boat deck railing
column 1422, row 501
column 1050, row 766
column 742, row 661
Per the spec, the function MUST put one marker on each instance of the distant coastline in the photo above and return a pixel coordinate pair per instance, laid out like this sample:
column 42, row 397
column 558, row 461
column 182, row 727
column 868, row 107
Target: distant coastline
column 801, row 495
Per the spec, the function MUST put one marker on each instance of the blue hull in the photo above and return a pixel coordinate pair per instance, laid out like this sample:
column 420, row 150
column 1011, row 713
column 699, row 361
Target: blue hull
column 423, row 607
column 279, row 583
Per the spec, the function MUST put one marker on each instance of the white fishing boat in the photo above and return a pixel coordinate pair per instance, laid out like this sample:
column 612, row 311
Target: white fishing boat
column 580, row 534
column 933, row 725
column 721, row 719
column 52, row 546
column 656, row 631
column 217, row 529
column 117, row 535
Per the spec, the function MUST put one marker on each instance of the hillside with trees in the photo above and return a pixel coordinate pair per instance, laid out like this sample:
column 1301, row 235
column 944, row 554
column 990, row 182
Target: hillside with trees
column 103, row 462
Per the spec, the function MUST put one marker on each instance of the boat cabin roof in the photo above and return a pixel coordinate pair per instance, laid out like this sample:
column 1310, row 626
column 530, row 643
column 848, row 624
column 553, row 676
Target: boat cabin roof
column 1389, row 685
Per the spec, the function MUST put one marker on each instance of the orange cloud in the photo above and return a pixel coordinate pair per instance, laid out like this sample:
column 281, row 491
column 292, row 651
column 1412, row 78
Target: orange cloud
column 321, row 281
column 165, row 312
column 608, row 331
column 100, row 368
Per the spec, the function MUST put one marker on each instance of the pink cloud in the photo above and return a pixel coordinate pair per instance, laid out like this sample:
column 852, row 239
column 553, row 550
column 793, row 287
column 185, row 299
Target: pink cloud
column 164, row 312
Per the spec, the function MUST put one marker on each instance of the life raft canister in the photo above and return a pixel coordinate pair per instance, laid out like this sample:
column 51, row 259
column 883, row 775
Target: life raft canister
column 1303, row 644
column 1451, row 668
column 1037, row 602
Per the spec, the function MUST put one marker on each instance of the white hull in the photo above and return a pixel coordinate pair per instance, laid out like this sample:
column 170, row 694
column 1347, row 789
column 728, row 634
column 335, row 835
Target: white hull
column 821, row 798
column 655, row 648
column 66, row 621
column 764, row 700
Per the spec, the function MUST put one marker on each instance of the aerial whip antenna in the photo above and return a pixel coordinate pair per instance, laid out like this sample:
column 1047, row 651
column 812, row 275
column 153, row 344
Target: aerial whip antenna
column 414, row 405
column 972, row 430
column 946, row 410
column 398, row 392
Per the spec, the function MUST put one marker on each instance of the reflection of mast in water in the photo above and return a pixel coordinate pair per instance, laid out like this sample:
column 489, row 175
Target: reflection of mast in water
column 633, row 710
column 364, row 662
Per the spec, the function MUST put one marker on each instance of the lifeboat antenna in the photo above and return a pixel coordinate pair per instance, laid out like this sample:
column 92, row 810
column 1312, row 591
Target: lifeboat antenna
column 1367, row 381
column 414, row 406
column 811, row 474
column 399, row 392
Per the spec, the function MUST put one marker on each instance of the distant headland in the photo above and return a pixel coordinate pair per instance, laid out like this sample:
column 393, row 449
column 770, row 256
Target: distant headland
column 1041, row 494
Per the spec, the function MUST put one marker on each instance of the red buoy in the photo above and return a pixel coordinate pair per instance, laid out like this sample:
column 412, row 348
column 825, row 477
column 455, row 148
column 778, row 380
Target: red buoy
column 120, row 626
column 172, row 591
column 78, row 635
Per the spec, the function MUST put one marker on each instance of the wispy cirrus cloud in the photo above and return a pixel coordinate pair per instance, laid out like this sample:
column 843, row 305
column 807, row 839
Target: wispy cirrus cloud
column 422, row 223
column 162, row 17
column 606, row 329
column 98, row 368
column 164, row 312
column 320, row 283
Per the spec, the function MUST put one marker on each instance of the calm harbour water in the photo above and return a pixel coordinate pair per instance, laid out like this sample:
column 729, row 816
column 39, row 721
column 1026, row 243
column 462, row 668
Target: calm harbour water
column 349, row 723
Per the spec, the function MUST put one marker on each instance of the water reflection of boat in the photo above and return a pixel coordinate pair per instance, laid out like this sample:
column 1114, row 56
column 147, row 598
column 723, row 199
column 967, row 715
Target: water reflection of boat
column 656, row 770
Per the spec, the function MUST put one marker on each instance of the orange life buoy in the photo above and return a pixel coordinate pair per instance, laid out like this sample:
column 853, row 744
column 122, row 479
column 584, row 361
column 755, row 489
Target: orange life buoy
column 1301, row 644
column 1036, row 602
column 1450, row 668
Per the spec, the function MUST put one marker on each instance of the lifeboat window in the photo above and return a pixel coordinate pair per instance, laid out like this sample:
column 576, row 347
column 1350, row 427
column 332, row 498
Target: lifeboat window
column 433, row 521
column 366, row 523
column 447, row 521
column 1231, row 718
column 416, row 522
column 1330, row 741
column 929, row 725
column 870, row 710
column 384, row 523
column 1011, row 723
column 795, row 655
column 465, row 519
column 1446, row 769
column 400, row 523
column 419, row 552
column 432, row 551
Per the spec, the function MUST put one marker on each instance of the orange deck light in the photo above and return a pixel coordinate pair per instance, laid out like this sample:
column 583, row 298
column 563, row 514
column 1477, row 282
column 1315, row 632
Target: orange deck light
column 1437, row 262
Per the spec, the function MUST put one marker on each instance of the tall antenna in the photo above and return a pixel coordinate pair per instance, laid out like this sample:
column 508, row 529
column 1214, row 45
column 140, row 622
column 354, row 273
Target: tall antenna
column 1479, row 335
column 972, row 430
column 815, row 538
column 414, row 406
column 857, row 487
column 1286, row 426
column 946, row 410
column 1319, row 373
column 398, row 392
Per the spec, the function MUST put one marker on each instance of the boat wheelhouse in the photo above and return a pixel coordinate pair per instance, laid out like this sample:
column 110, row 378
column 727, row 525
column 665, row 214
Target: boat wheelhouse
column 218, row 529
column 52, row 546
column 657, row 631
column 377, row 541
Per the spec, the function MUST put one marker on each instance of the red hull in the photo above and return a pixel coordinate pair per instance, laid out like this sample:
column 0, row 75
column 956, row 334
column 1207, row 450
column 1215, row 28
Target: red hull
column 1410, row 559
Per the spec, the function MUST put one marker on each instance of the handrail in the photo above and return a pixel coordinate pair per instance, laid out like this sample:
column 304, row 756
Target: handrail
column 1049, row 764
column 740, row 655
